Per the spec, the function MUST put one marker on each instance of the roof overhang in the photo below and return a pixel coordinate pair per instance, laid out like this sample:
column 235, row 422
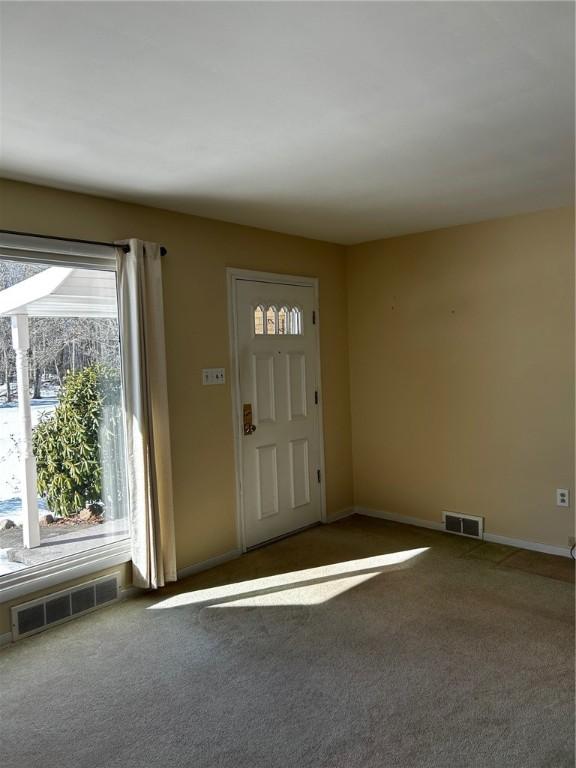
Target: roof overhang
column 62, row 292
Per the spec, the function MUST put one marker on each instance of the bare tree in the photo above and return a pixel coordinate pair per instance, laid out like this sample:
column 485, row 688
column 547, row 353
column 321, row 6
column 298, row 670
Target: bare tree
column 7, row 356
column 57, row 344
column 11, row 272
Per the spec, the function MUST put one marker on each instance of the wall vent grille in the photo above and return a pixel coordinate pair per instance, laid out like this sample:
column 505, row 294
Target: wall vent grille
column 57, row 607
column 463, row 525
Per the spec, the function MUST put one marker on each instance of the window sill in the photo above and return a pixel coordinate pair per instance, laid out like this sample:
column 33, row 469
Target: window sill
column 41, row 577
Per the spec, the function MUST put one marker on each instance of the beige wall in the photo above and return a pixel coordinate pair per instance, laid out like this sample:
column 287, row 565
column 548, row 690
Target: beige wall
column 461, row 362
column 199, row 250
column 462, row 373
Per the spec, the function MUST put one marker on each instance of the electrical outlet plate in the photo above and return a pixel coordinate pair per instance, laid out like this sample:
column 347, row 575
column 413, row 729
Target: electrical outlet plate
column 562, row 497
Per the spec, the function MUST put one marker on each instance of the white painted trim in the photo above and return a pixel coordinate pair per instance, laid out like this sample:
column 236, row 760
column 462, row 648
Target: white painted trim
column 323, row 512
column 234, row 275
column 41, row 577
column 231, row 277
column 212, row 562
column 397, row 518
column 340, row 515
column 127, row 593
column 534, row 546
column 57, row 252
column 269, row 277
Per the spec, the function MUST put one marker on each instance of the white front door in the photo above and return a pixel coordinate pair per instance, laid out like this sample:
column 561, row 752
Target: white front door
column 279, row 410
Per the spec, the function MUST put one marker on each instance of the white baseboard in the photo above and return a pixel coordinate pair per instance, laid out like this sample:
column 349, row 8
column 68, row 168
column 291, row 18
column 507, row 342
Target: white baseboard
column 340, row 515
column 5, row 639
column 126, row 593
column 397, row 518
column 212, row 562
column 535, row 546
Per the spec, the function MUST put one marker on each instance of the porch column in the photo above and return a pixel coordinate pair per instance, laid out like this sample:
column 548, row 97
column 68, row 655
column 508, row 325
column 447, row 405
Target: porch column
column 21, row 343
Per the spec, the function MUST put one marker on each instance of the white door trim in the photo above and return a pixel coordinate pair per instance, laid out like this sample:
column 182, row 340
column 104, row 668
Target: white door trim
column 234, row 275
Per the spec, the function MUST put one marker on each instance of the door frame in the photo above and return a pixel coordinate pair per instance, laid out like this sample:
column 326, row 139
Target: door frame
column 233, row 276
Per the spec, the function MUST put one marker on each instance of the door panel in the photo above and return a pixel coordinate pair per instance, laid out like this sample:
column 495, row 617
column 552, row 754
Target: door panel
column 267, row 481
column 297, row 396
column 299, row 474
column 264, row 388
column 280, row 448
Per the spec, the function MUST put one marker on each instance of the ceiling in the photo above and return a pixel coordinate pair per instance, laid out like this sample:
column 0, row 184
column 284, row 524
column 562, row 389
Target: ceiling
column 343, row 121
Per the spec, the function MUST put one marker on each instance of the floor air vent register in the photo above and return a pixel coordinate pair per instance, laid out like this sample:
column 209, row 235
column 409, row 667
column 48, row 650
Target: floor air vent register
column 463, row 525
column 58, row 607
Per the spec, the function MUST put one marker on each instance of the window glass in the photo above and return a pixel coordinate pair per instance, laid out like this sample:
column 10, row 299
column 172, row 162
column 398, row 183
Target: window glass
column 60, row 372
column 259, row 321
column 271, row 324
column 296, row 321
column 286, row 321
column 283, row 320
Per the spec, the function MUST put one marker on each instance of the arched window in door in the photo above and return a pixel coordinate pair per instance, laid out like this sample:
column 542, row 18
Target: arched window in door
column 295, row 321
column 283, row 321
column 259, row 314
column 271, row 321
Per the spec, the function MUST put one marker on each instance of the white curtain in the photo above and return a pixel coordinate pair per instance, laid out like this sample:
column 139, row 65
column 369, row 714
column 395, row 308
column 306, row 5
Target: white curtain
column 141, row 318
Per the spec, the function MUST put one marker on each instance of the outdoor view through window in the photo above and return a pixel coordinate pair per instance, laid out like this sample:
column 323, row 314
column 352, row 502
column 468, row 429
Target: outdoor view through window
column 62, row 462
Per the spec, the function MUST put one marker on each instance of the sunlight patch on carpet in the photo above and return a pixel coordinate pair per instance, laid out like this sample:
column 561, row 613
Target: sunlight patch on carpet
column 311, row 586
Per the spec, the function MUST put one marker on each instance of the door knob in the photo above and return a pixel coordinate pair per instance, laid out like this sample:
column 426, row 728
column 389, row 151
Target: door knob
column 249, row 428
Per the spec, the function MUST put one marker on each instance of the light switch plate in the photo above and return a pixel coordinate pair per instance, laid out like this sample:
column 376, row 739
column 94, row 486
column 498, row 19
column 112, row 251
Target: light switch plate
column 213, row 376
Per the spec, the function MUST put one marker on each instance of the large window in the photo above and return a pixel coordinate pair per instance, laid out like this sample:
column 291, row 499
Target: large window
column 63, row 487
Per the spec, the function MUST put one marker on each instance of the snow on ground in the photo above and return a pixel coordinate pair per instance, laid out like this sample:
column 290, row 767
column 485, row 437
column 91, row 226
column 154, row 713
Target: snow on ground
column 8, row 567
column 10, row 484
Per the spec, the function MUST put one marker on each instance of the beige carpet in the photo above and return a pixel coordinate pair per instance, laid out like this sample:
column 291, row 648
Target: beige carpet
column 363, row 644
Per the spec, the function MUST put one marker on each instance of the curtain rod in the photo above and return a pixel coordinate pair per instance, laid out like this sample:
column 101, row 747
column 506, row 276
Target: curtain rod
column 125, row 248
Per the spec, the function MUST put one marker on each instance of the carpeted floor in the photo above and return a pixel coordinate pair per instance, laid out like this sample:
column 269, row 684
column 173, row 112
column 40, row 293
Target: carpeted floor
column 363, row 644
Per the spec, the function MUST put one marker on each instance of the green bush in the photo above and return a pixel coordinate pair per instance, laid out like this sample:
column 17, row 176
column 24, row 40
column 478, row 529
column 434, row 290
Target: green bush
column 67, row 442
